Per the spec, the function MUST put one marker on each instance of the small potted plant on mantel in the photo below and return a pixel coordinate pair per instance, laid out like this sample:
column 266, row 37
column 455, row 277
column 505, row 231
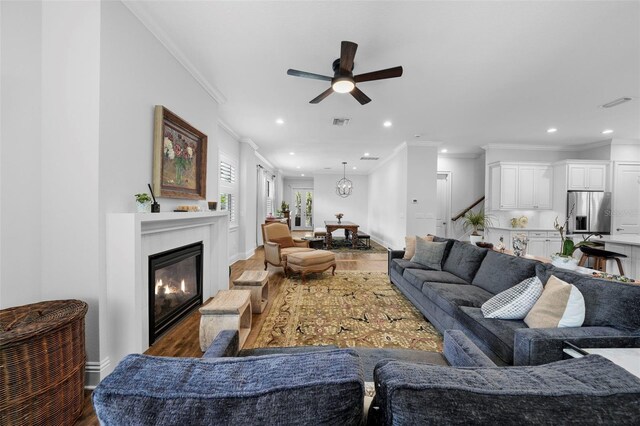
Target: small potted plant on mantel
column 143, row 201
column 476, row 221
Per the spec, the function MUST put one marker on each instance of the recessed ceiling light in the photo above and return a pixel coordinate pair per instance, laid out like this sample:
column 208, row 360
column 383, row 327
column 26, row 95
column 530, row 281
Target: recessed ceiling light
column 301, row 174
column 387, row 123
column 297, row 167
column 443, row 150
column 552, row 130
column 607, row 131
column 366, row 154
column 354, row 167
column 292, row 153
column 279, row 121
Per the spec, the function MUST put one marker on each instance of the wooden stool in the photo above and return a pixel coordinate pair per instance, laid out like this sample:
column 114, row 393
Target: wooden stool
column 257, row 282
column 600, row 258
column 229, row 310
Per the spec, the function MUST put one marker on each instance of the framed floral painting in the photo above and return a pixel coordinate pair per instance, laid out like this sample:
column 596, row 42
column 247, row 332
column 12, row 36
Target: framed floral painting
column 179, row 157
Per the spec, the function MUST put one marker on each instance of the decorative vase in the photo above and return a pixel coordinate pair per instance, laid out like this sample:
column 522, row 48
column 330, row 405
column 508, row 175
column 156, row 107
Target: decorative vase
column 520, row 242
column 564, row 262
column 143, row 207
column 475, row 239
column 339, row 221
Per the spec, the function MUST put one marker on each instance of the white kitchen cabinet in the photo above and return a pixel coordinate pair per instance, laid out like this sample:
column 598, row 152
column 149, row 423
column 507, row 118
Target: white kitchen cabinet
column 535, row 186
column 586, row 177
column 537, row 246
column 526, row 186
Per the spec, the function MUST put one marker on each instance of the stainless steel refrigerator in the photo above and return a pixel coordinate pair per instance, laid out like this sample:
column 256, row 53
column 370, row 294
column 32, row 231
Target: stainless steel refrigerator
column 590, row 212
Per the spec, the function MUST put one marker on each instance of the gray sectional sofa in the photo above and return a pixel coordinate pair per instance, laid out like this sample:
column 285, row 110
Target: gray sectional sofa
column 451, row 299
column 315, row 385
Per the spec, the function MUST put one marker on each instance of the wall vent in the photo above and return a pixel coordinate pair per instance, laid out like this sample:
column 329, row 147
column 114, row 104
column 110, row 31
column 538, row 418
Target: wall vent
column 370, row 158
column 341, row 121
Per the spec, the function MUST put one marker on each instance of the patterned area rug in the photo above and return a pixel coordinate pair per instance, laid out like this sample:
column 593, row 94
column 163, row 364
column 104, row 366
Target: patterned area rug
column 347, row 310
column 340, row 245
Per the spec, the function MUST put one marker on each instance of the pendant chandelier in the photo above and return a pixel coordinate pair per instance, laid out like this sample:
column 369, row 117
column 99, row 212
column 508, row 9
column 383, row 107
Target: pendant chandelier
column 344, row 185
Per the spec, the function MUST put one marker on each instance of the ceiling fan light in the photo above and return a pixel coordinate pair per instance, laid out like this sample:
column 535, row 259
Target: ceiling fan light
column 343, row 85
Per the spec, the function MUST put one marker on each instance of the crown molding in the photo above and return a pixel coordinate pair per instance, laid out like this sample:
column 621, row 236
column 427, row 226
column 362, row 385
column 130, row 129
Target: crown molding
column 224, row 126
column 531, row 147
column 249, row 142
column 625, row 142
column 390, row 157
column 264, row 161
column 136, row 8
column 469, row 155
column 561, row 148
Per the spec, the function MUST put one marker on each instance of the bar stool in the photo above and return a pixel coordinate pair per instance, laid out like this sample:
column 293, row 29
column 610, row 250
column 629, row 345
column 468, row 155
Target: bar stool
column 600, row 258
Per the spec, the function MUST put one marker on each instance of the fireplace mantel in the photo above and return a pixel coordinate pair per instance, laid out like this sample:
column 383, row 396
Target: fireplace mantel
column 131, row 238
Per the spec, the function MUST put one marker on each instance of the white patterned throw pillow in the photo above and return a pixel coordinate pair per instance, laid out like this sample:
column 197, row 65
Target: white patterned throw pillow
column 514, row 302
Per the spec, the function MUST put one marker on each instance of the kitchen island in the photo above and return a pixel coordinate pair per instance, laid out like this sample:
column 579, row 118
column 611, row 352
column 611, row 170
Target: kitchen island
column 627, row 244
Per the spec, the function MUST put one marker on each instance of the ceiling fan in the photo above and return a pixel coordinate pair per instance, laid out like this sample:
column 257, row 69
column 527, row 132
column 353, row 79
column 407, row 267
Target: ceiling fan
column 343, row 80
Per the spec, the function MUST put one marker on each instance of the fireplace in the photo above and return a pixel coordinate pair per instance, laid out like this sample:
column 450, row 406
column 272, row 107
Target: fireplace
column 175, row 287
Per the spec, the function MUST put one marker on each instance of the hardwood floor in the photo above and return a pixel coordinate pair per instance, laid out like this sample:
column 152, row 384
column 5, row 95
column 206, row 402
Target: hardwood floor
column 183, row 340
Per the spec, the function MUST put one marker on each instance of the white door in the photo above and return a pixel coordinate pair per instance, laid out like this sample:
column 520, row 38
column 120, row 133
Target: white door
column 444, row 204
column 625, row 210
column 302, row 209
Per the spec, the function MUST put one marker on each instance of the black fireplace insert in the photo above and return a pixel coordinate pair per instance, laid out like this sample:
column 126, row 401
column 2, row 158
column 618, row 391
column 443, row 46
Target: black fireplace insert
column 175, row 287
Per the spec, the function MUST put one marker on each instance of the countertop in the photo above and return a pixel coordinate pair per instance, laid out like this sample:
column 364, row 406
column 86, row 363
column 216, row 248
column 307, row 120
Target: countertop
column 508, row 228
column 629, row 239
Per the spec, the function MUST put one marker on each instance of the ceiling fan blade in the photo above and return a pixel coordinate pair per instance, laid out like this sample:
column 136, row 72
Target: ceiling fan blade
column 360, row 97
column 379, row 75
column 347, row 53
column 305, row 74
column 321, row 96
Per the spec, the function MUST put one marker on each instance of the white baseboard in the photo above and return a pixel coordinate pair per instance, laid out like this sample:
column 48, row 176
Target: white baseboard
column 94, row 371
column 383, row 243
column 249, row 253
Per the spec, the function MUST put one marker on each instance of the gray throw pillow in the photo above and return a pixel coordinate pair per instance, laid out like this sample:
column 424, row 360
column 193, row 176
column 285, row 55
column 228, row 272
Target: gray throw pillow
column 515, row 302
column 429, row 253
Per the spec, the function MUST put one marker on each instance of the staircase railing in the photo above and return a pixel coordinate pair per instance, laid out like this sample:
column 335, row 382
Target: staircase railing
column 463, row 212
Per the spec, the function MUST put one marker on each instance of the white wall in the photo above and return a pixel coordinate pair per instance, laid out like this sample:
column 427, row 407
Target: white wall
column 21, row 178
column 387, row 201
column 422, row 174
column 136, row 73
column 625, row 150
column 328, row 203
column 70, row 149
column 467, row 185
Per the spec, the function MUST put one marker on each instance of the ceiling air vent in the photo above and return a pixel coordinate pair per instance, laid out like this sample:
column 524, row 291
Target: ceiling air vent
column 341, row 121
column 615, row 102
column 370, row 158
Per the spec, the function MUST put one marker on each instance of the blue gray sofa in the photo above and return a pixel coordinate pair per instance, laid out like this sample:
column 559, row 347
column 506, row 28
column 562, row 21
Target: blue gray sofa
column 317, row 385
column 451, row 299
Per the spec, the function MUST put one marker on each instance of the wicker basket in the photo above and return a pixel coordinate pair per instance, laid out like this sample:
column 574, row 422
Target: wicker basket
column 42, row 358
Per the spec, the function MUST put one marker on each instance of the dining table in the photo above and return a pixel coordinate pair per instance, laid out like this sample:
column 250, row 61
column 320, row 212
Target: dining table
column 349, row 227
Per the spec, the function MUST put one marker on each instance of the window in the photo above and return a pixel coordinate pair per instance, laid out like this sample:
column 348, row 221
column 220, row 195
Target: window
column 270, row 196
column 229, row 187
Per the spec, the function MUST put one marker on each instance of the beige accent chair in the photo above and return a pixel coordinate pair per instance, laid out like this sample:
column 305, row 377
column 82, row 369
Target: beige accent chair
column 273, row 254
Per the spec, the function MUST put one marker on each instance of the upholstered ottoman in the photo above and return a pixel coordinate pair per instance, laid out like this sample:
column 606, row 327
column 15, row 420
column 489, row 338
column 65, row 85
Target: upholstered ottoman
column 311, row 261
